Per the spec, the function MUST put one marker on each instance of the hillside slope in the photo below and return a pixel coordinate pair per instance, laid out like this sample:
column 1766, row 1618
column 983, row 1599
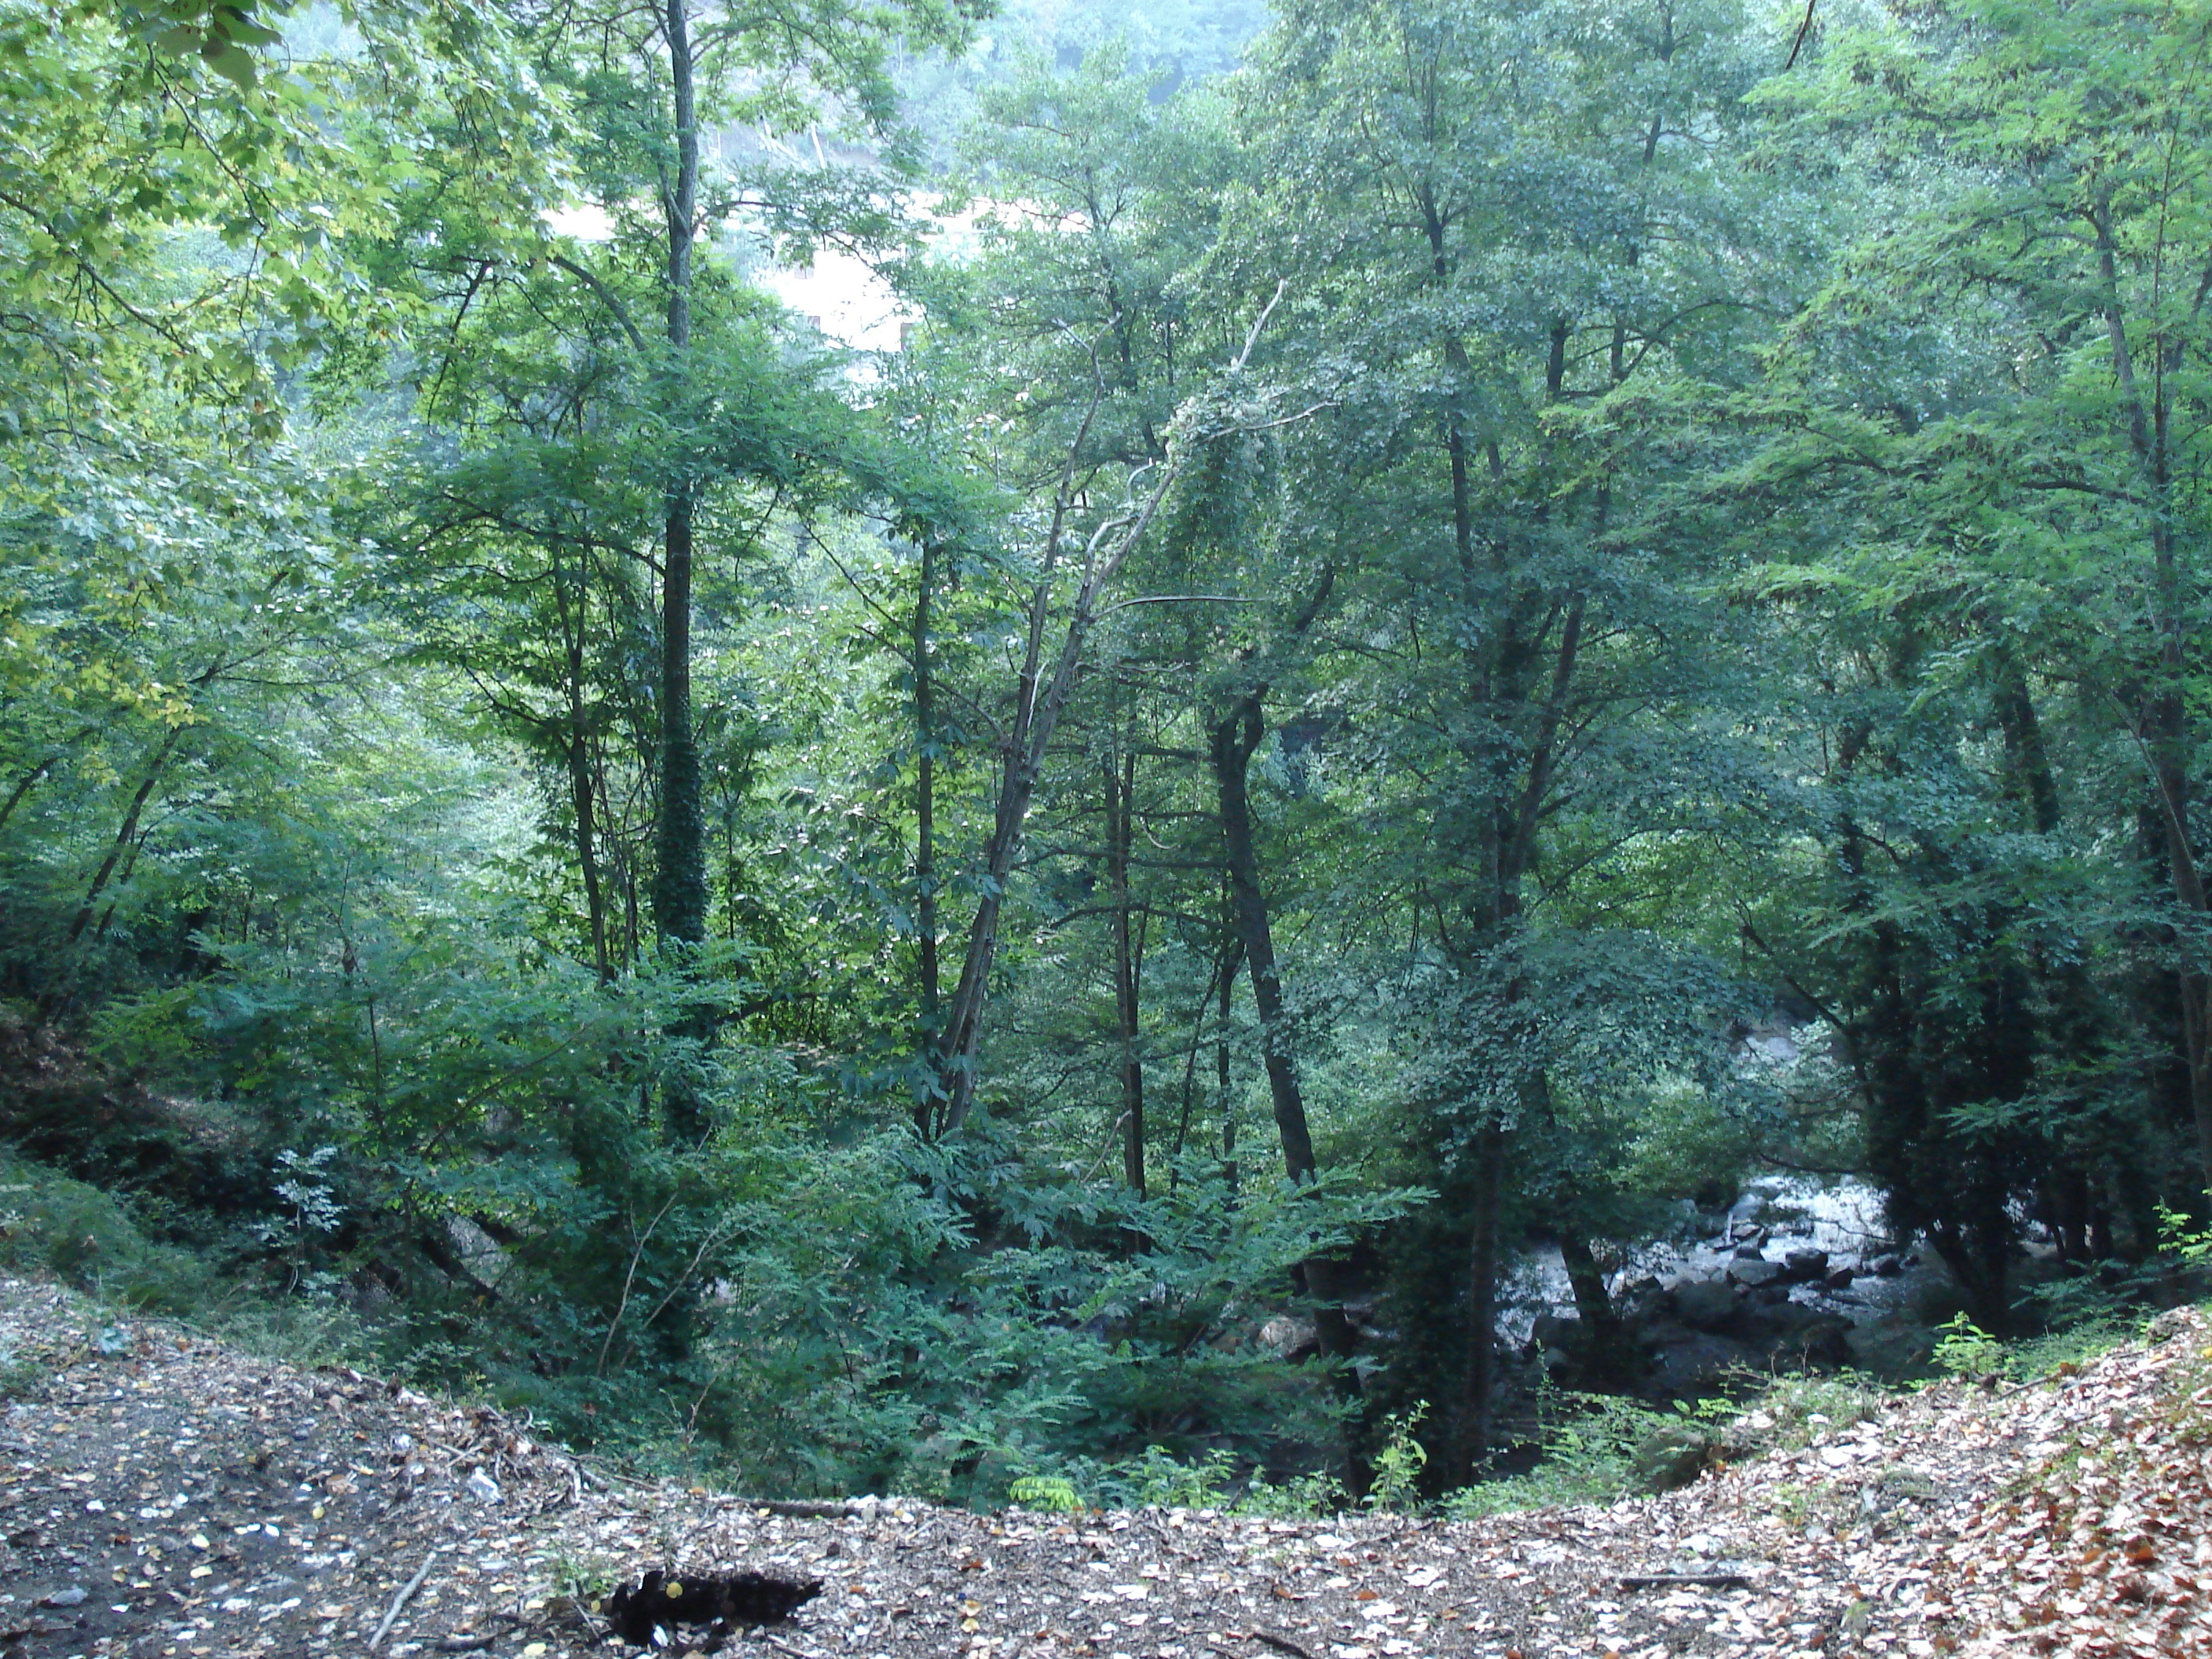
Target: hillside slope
column 163, row 1495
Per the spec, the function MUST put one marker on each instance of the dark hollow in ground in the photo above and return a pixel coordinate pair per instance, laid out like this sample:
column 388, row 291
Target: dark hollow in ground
column 728, row 1600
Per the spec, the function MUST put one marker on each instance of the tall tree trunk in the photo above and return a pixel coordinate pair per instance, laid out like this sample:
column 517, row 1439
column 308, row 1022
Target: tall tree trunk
column 679, row 896
column 1121, row 775
column 2028, row 772
column 2164, row 725
column 2074, row 1019
column 679, row 886
column 1236, row 740
column 1224, row 964
column 587, row 857
column 24, row 784
column 1232, row 961
column 2194, row 984
column 1594, row 1302
column 1039, row 700
column 583, row 795
column 1505, row 834
column 1479, row 1373
column 924, row 843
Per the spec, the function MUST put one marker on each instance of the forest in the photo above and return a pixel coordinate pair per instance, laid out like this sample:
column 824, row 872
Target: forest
column 1429, row 637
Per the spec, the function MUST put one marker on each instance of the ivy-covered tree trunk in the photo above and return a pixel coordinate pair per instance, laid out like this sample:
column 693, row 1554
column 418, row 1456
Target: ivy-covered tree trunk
column 679, row 895
column 679, row 887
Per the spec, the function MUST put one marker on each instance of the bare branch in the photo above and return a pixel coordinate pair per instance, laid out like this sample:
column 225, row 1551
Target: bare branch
column 1259, row 322
column 607, row 296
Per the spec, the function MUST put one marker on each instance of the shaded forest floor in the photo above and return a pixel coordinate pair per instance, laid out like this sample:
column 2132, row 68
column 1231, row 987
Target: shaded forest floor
column 164, row 1495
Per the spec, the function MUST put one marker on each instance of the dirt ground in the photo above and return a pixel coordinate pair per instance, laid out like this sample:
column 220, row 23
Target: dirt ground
column 163, row 1495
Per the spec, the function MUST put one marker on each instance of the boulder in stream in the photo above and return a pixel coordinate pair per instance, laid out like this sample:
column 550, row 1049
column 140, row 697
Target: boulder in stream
column 1704, row 1304
column 1805, row 1266
column 1758, row 1273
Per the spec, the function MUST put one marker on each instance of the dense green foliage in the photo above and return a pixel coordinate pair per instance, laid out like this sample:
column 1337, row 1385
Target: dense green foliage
column 1423, row 567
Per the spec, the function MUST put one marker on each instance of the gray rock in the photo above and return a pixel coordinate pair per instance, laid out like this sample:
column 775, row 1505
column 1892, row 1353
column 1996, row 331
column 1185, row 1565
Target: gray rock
column 1757, row 1273
column 479, row 1252
column 1806, row 1265
column 1817, row 1338
column 1671, row 1457
column 1790, row 1318
column 1706, row 1304
column 2175, row 1322
column 75, row 1597
column 1688, row 1363
column 1886, row 1266
column 1752, row 1248
column 1747, row 1212
column 1895, row 1350
column 1838, row 1279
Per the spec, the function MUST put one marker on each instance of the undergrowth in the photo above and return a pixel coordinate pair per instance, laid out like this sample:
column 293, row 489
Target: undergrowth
column 1594, row 1448
column 92, row 1240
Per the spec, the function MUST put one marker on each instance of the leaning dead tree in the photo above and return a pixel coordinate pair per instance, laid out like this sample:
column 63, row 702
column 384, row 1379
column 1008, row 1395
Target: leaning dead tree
column 1049, row 673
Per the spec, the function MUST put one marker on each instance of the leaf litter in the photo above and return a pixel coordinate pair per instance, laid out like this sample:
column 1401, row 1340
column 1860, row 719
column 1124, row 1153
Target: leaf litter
column 164, row 1495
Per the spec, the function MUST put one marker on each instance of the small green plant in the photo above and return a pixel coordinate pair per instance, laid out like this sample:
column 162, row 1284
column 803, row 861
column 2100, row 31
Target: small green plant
column 1818, row 1503
column 1790, row 1411
column 1311, row 1496
column 49, row 1222
column 313, row 1210
column 2068, row 1348
column 1050, row 1492
column 1302, row 1498
column 305, row 1332
column 1399, row 1463
column 2191, row 1244
column 1790, row 1502
column 586, row 1579
column 1159, row 1480
column 1591, row 1444
column 1964, row 1349
column 22, row 1375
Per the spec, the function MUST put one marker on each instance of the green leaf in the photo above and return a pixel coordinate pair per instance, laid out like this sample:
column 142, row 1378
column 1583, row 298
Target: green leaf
column 233, row 63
